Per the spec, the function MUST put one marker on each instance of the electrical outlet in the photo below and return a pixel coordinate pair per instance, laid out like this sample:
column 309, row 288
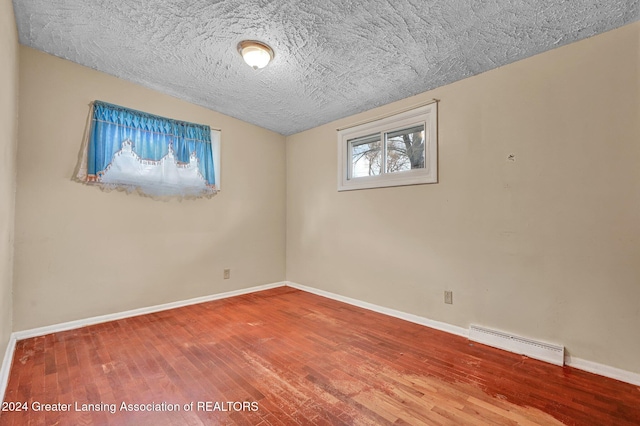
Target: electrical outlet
column 448, row 297
column 227, row 274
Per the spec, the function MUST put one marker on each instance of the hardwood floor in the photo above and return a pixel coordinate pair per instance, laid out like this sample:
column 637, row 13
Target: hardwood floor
column 284, row 356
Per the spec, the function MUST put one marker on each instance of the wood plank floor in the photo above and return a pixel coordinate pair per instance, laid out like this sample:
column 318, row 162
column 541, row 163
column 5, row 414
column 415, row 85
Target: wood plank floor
column 288, row 357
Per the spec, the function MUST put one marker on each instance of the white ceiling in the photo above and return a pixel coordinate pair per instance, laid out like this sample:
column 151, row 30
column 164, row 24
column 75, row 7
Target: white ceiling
column 334, row 58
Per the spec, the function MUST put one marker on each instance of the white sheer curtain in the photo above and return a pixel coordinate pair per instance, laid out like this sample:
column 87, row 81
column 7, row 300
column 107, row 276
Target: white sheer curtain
column 156, row 156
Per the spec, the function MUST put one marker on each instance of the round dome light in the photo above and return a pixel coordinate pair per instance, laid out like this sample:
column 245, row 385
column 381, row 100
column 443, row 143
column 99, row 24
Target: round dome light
column 256, row 55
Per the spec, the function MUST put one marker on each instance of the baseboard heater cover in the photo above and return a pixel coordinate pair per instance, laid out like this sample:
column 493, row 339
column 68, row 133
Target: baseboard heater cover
column 542, row 351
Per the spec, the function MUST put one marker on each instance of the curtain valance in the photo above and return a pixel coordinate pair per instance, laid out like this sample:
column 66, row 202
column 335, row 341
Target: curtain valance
column 157, row 156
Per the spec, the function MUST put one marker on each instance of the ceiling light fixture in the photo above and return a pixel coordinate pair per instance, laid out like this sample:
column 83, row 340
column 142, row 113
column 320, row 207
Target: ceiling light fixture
column 255, row 53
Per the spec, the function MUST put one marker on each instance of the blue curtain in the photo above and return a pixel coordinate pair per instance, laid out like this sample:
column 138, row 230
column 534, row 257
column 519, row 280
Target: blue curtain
column 151, row 136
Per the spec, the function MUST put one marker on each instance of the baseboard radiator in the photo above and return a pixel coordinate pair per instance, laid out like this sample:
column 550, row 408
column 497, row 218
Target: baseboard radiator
column 542, row 351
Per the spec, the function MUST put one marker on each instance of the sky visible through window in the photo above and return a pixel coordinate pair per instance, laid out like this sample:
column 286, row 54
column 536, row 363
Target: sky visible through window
column 405, row 151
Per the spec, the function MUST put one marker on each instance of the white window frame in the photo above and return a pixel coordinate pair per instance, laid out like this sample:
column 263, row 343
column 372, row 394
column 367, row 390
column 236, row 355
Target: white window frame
column 427, row 115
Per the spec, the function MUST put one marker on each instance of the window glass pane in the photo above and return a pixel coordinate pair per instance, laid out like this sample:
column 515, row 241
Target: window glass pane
column 366, row 156
column 405, row 149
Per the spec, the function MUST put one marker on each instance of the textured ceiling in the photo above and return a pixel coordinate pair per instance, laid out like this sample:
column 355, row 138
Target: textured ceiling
column 334, row 58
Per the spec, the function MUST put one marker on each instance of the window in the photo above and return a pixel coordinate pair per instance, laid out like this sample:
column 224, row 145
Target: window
column 398, row 150
column 155, row 156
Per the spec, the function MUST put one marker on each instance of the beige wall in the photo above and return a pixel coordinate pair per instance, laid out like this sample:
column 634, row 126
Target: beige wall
column 81, row 252
column 8, row 139
column 546, row 246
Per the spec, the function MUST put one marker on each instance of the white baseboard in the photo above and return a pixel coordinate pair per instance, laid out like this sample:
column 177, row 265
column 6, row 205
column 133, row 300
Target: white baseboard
column 442, row 326
column 6, row 366
column 580, row 364
column 41, row 331
column 602, row 370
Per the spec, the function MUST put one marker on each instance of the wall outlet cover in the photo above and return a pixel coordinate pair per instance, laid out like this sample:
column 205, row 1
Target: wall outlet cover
column 448, row 297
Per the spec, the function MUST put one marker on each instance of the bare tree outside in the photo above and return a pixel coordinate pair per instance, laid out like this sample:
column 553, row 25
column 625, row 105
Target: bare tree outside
column 366, row 155
column 405, row 151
